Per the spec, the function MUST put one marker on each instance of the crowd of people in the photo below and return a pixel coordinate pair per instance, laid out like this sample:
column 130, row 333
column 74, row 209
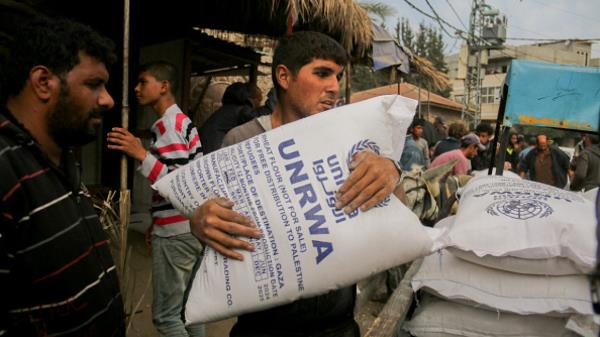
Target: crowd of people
column 57, row 276
column 536, row 157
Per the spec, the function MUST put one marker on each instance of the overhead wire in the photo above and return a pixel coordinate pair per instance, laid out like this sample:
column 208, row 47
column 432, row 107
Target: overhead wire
column 566, row 11
column 438, row 18
column 456, row 14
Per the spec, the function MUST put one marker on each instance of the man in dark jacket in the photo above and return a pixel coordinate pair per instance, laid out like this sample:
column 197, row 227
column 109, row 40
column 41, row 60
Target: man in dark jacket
column 239, row 102
column 587, row 173
column 546, row 164
column 455, row 132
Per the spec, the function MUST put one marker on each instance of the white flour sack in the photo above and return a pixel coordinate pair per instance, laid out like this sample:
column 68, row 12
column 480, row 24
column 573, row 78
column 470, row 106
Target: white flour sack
column 437, row 318
column 551, row 266
column 501, row 216
column 449, row 277
column 285, row 180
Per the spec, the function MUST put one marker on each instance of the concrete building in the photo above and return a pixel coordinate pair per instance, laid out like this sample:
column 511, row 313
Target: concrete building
column 495, row 64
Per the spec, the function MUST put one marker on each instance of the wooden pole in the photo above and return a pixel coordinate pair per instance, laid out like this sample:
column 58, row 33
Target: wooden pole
column 124, row 199
column 394, row 311
column 348, row 80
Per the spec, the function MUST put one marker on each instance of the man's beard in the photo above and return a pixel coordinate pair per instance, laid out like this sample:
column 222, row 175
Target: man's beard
column 69, row 127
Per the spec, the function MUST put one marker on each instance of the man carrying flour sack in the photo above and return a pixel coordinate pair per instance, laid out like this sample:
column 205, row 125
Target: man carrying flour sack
column 305, row 72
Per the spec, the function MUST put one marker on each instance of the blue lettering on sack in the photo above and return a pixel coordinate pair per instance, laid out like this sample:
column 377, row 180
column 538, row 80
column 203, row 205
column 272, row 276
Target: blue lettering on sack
column 308, row 199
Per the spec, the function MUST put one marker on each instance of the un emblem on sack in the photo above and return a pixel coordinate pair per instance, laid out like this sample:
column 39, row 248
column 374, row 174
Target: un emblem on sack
column 364, row 145
column 520, row 209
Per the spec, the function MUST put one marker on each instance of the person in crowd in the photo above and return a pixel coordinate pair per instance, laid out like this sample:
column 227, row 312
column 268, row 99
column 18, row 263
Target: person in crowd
column 412, row 156
column 483, row 159
column 546, row 164
column 239, row 101
column 57, row 275
column 512, row 152
column 587, row 172
column 469, row 145
column 440, row 127
column 175, row 142
column 305, row 71
column 455, row 132
column 415, row 134
column 528, row 145
column 578, row 149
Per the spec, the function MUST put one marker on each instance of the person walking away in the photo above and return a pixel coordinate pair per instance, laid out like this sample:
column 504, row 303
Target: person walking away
column 455, row 132
column 239, row 101
column 587, row 172
column 175, row 142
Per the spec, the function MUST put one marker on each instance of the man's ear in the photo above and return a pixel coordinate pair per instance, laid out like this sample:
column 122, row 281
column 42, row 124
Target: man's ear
column 283, row 75
column 165, row 87
column 43, row 82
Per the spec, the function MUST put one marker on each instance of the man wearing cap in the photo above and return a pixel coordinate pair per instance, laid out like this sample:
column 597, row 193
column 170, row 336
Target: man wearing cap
column 469, row 144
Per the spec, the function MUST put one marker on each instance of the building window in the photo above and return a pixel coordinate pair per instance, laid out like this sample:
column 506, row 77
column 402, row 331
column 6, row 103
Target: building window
column 490, row 95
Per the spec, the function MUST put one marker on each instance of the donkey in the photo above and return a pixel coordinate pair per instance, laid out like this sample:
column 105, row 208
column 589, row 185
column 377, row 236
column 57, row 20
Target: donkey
column 425, row 192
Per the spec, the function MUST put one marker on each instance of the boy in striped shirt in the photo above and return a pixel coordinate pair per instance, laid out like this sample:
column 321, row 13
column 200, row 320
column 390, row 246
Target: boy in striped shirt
column 175, row 142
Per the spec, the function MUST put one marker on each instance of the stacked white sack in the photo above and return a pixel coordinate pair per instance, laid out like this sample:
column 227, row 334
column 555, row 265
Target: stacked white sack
column 438, row 318
column 285, row 180
column 524, row 226
column 515, row 247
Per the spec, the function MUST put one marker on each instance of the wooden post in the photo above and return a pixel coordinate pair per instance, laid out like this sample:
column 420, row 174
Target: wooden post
column 395, row 309
column 348, row 80
column 124, row 198
column 253, row 73
column 419, row 100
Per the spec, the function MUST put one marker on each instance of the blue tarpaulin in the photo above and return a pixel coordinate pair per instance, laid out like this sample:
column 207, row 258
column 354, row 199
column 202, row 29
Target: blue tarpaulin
column 387, row 52
column 547, row 94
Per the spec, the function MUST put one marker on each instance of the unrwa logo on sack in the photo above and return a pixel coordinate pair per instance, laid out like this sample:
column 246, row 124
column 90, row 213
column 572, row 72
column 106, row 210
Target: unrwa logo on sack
column 366, row 145
column 520, row 209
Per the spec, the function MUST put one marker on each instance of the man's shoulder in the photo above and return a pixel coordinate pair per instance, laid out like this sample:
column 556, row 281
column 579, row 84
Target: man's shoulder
column 243, row 132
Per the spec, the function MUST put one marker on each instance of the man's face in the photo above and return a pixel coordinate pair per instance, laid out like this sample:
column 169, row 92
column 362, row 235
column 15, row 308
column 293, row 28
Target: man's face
column 148, row 89
column 77, row 115
column 542, row 143
column 484, row 138
column 471, row 151
column 315, row 88
column 417, row 131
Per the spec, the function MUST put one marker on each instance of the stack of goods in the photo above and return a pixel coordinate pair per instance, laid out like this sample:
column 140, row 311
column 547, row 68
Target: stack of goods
column 514, row 263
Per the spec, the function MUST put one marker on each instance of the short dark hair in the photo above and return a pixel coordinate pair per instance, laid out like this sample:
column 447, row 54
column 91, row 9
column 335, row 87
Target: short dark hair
column 457, row 130
column 162, row 71
column 417, row 122
column 484, row 127
column 300, row 48
column 54, row 43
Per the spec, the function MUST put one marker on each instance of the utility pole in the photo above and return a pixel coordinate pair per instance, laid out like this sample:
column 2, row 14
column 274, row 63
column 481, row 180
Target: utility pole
column 487, row 30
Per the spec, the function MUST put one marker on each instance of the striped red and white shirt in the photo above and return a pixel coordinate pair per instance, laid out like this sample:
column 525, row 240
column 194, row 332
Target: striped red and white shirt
column 175, row 143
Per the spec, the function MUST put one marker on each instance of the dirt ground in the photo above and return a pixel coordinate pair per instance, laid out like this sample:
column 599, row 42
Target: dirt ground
column 369, row 302
column 140, row 263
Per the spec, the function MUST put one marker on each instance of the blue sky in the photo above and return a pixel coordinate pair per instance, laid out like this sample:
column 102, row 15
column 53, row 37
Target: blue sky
column 549, row 19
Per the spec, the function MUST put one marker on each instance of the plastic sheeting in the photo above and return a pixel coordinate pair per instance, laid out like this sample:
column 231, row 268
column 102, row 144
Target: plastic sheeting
column 553, row 95
column 387, row 52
